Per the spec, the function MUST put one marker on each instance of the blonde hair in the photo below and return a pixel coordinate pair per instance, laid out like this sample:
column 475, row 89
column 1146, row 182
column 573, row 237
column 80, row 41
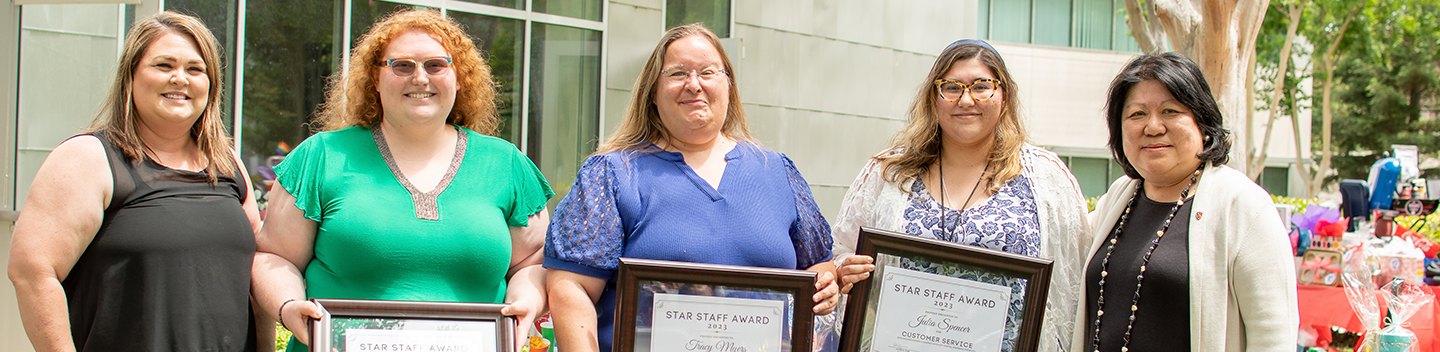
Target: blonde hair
column 351, row 100
column 917, row 146
column 641, row 125
column 119, row 119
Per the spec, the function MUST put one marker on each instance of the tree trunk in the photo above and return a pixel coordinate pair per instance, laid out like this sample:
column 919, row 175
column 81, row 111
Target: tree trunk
column 1257, row 163
column 1325, row 109
column 1250, row 109
column 1308, row 182
column 1219, row 35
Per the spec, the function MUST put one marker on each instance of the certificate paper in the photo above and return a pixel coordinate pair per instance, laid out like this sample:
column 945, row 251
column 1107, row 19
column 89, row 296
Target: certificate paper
column 716, row 324
column 919, row 311
column 450, row 340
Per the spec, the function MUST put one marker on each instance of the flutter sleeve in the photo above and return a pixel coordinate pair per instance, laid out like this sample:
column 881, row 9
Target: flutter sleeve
column 810, row 232
column 531, row 190
column 301, row 175
column 585, row 235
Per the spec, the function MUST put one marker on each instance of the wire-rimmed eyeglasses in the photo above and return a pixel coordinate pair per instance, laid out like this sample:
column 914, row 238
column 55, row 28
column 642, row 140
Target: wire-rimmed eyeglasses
column 981, row 90
column 406, row 67
column 679, row 75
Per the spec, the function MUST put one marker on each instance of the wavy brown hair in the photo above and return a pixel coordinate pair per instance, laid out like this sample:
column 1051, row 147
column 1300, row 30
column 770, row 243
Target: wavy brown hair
column 641, row 125
column 351, row 99
column 118, row 118
column 917, row 146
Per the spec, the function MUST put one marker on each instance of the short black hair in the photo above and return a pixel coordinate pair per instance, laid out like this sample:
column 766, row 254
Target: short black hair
column 1186, row 83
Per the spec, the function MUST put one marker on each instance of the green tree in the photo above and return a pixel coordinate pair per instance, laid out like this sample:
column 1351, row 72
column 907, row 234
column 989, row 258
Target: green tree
column 1384, row 81
column 1328, row 28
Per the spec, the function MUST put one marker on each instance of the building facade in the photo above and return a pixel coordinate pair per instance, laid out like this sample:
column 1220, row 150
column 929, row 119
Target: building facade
column 827, row 82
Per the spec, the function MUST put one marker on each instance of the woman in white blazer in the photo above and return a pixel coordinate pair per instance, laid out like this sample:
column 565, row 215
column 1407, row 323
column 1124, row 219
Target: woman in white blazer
column 1187, row 254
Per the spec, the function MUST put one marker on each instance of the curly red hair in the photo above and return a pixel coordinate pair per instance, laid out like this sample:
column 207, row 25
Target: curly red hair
column 351, row 100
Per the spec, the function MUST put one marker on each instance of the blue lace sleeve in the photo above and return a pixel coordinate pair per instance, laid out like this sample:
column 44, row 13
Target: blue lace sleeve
column 585, row 235
column 810, row 232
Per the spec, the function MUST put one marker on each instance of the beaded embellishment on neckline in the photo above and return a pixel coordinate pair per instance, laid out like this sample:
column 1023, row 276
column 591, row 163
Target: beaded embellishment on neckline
column 427, row 204
column 1104, row 264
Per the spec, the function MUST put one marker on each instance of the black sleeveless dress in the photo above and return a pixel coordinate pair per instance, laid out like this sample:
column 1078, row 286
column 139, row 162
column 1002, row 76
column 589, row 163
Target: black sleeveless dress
column 169, row 269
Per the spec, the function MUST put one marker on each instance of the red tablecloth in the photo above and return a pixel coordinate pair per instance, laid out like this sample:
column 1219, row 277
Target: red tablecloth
column 1326, row 306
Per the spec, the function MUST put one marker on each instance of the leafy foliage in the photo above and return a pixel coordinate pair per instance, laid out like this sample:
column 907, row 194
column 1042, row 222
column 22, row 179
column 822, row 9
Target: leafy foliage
column 1384, row 80
column 282, row 337
column 1268, row 45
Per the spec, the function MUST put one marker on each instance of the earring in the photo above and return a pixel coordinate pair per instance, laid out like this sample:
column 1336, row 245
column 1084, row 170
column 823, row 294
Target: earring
column 1207, row 139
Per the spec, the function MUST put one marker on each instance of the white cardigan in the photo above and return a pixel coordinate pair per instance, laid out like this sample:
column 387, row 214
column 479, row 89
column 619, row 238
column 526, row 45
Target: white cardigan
column 872, row 202
column 1240, row 264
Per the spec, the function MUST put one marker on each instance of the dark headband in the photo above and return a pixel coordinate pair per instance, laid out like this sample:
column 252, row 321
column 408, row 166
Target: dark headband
column 981, row 43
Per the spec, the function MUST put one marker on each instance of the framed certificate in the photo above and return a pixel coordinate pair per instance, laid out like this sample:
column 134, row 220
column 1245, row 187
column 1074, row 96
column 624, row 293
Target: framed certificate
column 371, row 325
column 678, row 306
column 931, row 295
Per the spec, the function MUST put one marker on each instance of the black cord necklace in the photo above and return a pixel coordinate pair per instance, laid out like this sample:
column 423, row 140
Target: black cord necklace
column 967, row 198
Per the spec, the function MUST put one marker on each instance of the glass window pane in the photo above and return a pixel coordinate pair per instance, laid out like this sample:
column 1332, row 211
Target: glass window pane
column 1124, row 41
column 514, row 4
column 1116, row 172
column 364, row 13
column 219, row 16
column 1094, row 23
column 502, row 42
column 715, row 14
column 982, row 20
column 1010, row 21
column 1052, row 22
column 1091, row 173
column 67, row 58
column 582, row 9
column 564, row 101
column 1276, row 180
column 290, row 49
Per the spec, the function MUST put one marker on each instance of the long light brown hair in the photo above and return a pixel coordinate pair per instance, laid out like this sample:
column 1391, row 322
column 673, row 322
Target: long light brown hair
column 917, row 146
column 119, row 119
column 351, row 99
column 641, row 125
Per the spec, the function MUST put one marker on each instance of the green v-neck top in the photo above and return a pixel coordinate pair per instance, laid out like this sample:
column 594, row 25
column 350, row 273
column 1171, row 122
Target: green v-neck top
column 370, row 243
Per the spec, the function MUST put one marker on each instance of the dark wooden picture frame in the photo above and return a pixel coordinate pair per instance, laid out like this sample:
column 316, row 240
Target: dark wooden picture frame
column 798, row 283
column 321, row 330
column 872, row 242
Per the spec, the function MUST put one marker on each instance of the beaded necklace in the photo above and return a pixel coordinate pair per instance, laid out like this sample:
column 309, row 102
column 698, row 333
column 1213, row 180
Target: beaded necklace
column 1104, row 264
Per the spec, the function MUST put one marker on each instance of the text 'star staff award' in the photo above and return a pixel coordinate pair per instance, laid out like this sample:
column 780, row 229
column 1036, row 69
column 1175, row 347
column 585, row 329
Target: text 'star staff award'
column 704, row 323
column 926, row 312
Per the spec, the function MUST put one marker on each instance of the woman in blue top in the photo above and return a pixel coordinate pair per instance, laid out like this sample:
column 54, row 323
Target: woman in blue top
column 680, row 180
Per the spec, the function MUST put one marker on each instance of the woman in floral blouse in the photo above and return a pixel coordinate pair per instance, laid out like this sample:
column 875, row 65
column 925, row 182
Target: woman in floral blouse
column 960, row 171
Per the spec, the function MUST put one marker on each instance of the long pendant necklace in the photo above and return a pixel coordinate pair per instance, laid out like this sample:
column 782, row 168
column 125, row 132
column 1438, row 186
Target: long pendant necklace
column 1104, row 264
column 967, row 198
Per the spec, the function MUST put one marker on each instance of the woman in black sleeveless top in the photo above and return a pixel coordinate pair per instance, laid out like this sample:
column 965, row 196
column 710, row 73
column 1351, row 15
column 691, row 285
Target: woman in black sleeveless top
column 139, row 236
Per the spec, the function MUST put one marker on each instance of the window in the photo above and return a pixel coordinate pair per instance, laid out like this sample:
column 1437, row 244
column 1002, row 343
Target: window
column 1010, row 20
column 548, row 101
column 1094, row 24
column 582, row 9
column 1094, row 174
column 564, row 102
column 67, row 64
column 502, row 42
column 1275, row 180
column 715, row 14
column 1052, row 22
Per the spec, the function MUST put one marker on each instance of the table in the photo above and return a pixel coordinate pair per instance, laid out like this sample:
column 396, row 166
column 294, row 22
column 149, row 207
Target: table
column 1326, row 306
